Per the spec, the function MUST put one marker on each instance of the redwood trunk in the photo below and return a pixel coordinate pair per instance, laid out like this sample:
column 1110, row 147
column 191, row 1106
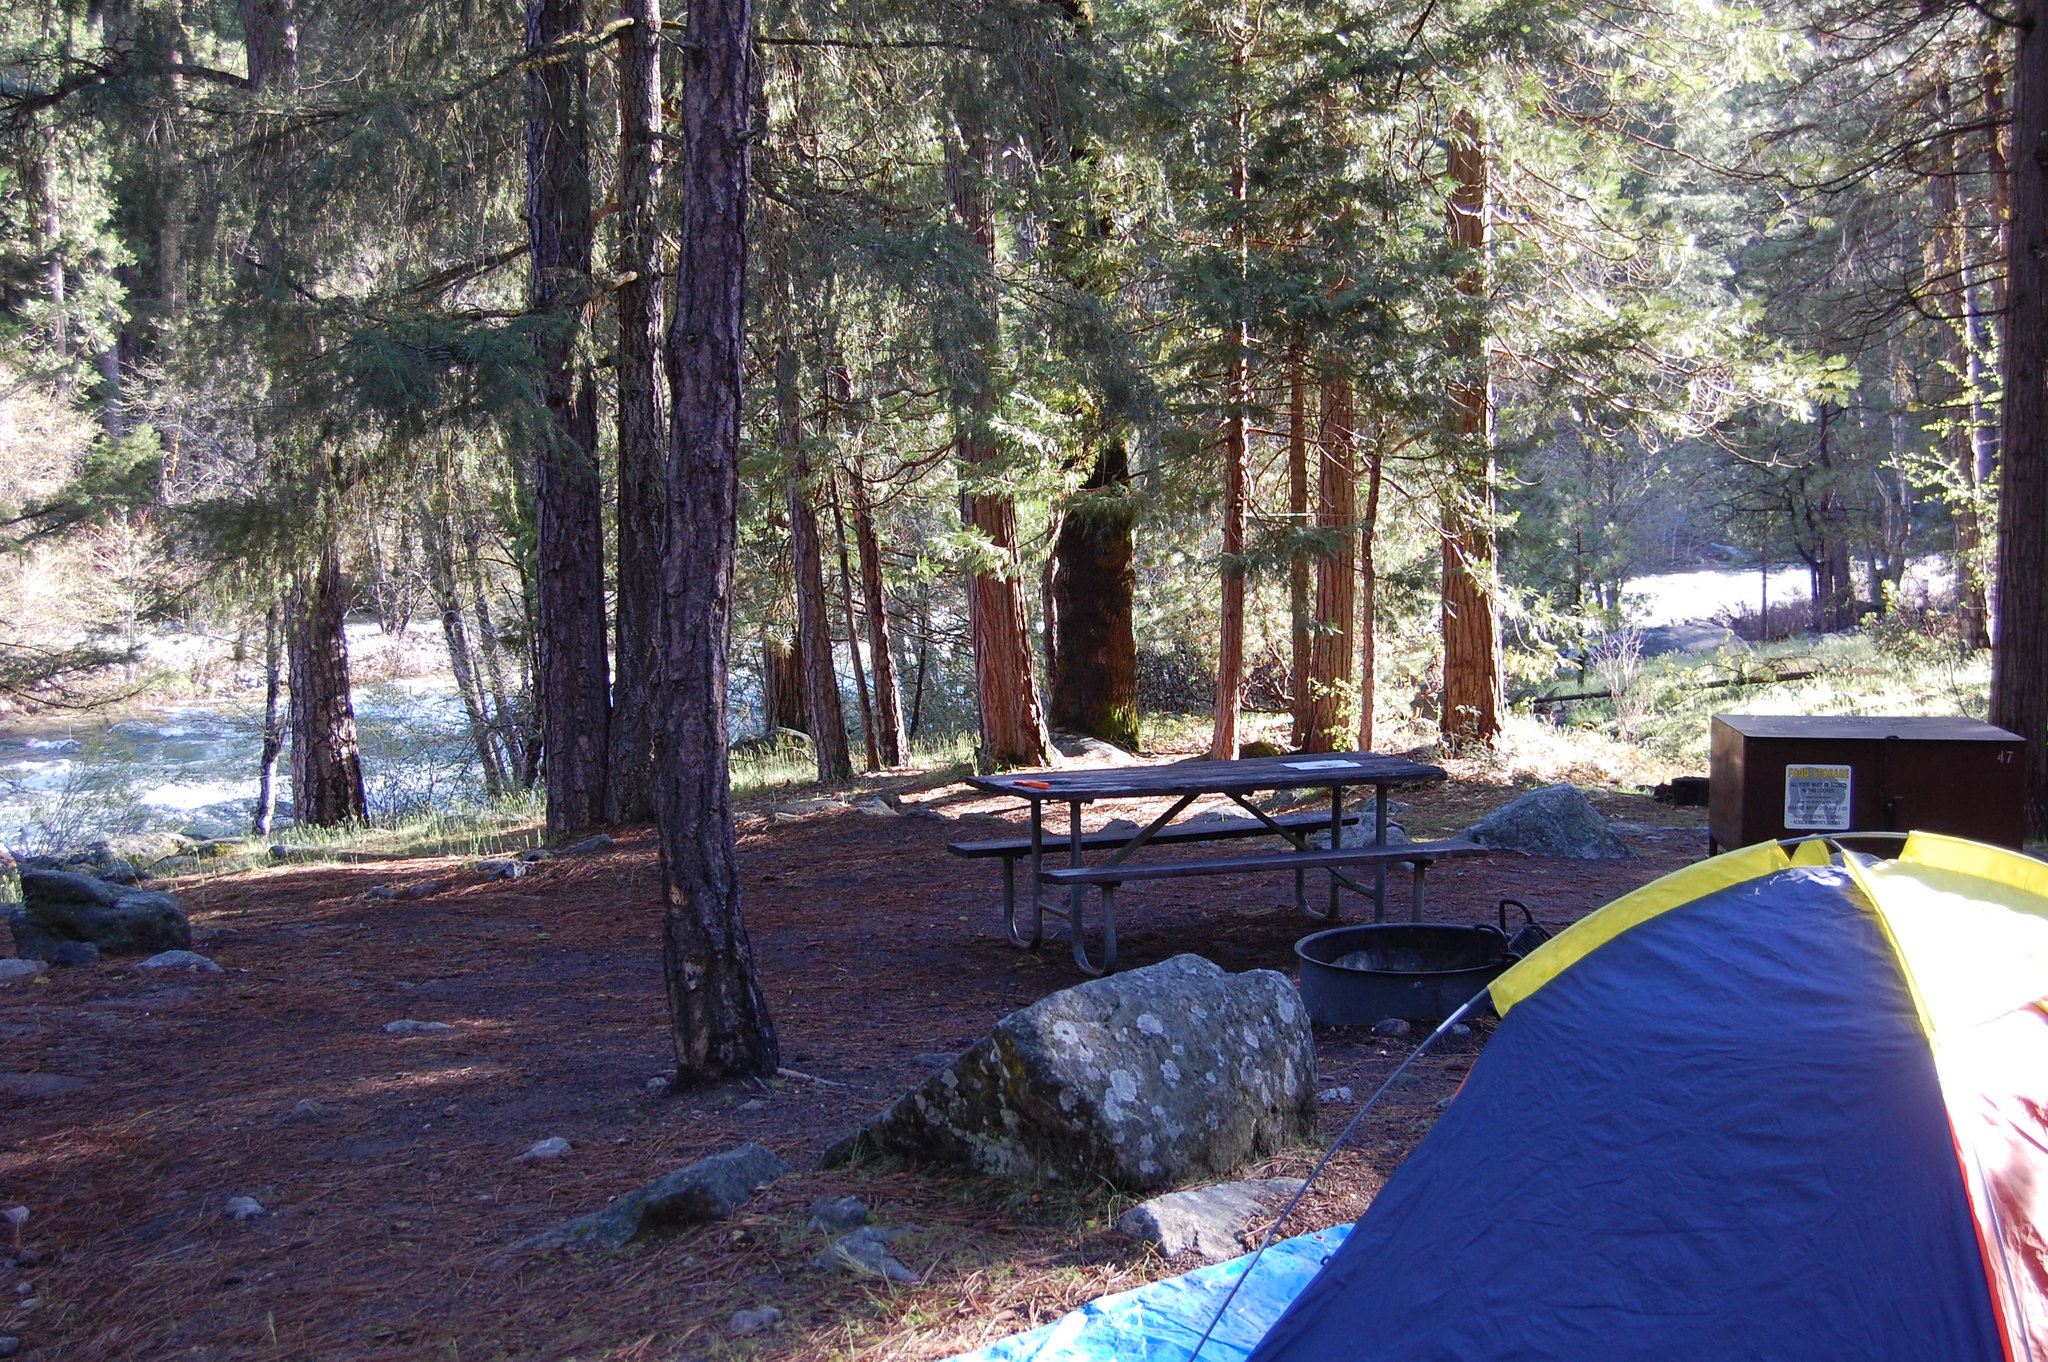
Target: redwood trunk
column 2019, row 650
column 718, row 1017
column 783, row 704
column 1013, row 731
column 1298, row 568
column 1368, row 601
column 1336, row 572
column 327, row 768
column 1471, row 633
column 891, row 741
column 1223, row 739
column 642, row 418
column 574, row 670
column 1094, row 682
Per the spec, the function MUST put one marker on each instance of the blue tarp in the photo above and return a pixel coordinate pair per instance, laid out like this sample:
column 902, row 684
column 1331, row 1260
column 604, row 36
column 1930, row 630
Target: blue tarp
column 1161, row 1321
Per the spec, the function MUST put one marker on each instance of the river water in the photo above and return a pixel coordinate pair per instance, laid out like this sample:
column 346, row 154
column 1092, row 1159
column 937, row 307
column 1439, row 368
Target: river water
column 64, row 779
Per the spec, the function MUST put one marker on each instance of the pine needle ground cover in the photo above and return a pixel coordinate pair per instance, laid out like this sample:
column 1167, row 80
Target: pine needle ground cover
column 390, row 1203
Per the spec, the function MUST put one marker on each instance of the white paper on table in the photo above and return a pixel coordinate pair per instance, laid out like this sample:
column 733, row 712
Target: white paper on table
column 1322, row 765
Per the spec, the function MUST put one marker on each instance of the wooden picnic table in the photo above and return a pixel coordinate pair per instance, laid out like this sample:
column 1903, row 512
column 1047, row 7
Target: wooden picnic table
column 1182, row 783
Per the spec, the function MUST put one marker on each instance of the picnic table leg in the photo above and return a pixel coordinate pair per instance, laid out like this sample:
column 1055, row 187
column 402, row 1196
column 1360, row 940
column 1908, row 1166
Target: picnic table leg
column 1081, row 959
column 1037, row 867
column 1379, row 839
column 1336, row 841
column 1074, row 861
column 1415, row 891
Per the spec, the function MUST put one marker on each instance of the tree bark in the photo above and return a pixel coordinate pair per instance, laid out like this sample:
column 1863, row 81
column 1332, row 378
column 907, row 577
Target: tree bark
column 574, row 671
column 437, row 537
column 718, row 1016
column 1298, row 567
column 891, row 740
column 806, row 558
column 1013, row 731
column 2019, row 650
column 327, row 768
column 273, row 727
column 1368, row 600
column 1336, row 570
column 860, row 680
column 642, row 418
column 1471, row 632
column 1094, row 681
column 1223, row 739
column 783, row 704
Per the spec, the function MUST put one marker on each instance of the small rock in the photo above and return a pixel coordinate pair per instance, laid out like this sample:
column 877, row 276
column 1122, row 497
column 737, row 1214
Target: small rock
column 306, row 1109
column 1557, row 820
column 877, row 807
column 242, row 1208
column 72, row 954
column 1334, row 1095
column 1391, row 1026
column 709, row 1189
column 658, row 1083
column 553, row 1147
column 1208, row 1220
column 420, row 889
column 120, row 872
column 21, row 969
column 1359, row 834
column 9, row 1345
column 830, row 1214
column 536, row 855
column 191, row 960
column 408, row 1027
column 745, row 1322
column 864, row 1253
column 803, row 808
column 503, row 870
column 933, row 1059
column 380, row 891
column 597, row 843
column 26, row 1258
column 1460, row 1029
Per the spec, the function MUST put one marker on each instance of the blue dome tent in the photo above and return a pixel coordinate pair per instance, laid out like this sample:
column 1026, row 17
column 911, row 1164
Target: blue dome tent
column 1778, row 1105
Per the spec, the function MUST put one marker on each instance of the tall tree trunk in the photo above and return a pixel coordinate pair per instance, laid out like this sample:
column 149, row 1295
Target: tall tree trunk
column 1471, row 632
column 1336, row 571
column 273, row 726
column 717, row 1014
column 813, row 614
column 437, row 538
column 1094, row 681
column 2019, row 649
column 574, row 670
column 860, row 680
column 1946, row 256
column 1013, row 731
column 891, row 741
column 642, row 420
column 327, row 768
column 1223, row 738
column 1298, row 566
column 1368, row 598
column 783, row 702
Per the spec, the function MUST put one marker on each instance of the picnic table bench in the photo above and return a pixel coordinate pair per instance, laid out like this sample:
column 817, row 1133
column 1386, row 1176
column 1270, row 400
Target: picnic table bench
column 1183, row 783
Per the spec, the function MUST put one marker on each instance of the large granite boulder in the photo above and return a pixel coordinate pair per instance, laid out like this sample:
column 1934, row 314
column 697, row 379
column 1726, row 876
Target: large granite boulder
column 1557, row 820
column 58, row 906
column 1144, row 1079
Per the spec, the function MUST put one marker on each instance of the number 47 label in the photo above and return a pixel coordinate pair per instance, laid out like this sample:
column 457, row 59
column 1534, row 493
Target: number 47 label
column 1817, row 798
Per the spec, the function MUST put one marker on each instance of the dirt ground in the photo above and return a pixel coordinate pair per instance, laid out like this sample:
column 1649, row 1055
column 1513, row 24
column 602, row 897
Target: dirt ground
column 390, row 1211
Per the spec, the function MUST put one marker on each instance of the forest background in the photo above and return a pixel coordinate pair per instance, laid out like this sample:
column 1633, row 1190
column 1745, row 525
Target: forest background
column 897, row 369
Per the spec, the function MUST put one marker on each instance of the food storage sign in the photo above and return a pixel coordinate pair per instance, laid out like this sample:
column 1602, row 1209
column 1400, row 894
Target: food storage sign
column 1817, row 798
